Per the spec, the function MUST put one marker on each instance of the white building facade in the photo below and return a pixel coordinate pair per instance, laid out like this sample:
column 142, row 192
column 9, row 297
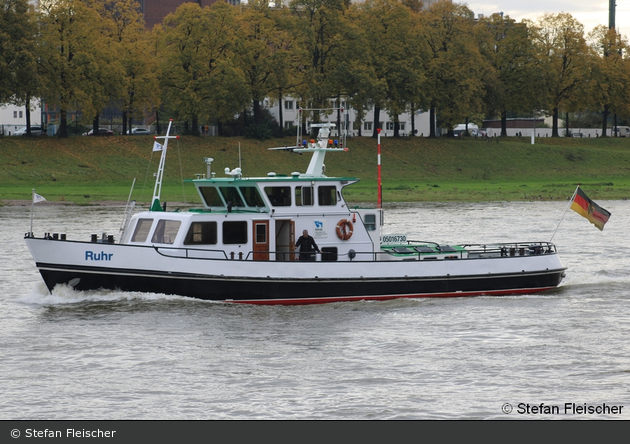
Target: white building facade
column 291, row 118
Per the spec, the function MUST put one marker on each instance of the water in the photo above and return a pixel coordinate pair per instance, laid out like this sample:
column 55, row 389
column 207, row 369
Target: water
column 116, row 355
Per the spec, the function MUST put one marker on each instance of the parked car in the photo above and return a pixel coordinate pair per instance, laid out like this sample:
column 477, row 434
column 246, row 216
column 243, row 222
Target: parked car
column 35, row 131
column 139, row 131
column 101, row 132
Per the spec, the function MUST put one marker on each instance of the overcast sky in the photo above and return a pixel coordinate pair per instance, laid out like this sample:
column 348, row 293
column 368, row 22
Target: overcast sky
column 588, row 12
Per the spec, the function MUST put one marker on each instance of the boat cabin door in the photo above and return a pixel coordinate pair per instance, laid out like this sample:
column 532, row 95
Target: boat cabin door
column 285, row 240
column 261, row 240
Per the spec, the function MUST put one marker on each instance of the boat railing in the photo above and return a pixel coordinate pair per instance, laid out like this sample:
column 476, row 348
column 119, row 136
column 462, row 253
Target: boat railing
column 410, row 252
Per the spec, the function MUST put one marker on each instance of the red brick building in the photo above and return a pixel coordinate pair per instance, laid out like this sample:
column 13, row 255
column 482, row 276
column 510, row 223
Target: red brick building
column 154, row 11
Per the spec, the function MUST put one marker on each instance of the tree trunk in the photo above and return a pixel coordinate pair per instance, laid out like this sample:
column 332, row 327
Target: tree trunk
column 554, row 126
column 27, row 112
column 256, row 112
column 605, row 116
column 124, row 123
column 63, row 124
column 280, row 106
column 195, row 125
column 567, row 133
column 338, row 116
column 413, row 120
column 396, row 126
column 157, row 121
column 377, row 116
column 432, row 122
column 503, row 123
column 95, row 126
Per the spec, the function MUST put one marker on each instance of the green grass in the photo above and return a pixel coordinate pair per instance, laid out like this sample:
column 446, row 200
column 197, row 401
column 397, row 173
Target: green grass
column 88, row 169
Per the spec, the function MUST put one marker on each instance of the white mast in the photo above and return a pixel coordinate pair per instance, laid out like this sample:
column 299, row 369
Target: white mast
column 155, row 201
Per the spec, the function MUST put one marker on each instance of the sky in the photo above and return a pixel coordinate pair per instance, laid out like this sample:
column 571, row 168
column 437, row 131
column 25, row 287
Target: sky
column 588, row 12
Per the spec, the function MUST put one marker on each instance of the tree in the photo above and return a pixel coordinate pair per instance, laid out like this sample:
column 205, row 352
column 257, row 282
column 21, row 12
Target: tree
column 19, row 80
column 453, row 80
column 395, row 54
column 198, row 75
column 563, row 61
column 609, row 83
column 138, row 92
column 262, row 52
column 73, row 58
column 319, row 32
column 511, row 77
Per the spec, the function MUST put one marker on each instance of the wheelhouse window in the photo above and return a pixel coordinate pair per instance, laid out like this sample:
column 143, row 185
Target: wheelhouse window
column 231, row 196
column 211, row 196
column 327, row 195
column 252, row 196
column 201, row 233
column 141, row 232
column 166, row 231
column 304, row 196
column 235, row 232
column 279, row 196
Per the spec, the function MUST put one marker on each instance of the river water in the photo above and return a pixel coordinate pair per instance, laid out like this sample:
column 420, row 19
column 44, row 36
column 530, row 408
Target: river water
column 116, row 355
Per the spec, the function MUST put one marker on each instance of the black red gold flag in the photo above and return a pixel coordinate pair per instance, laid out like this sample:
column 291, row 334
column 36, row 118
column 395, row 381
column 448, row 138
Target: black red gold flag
column 586, row 207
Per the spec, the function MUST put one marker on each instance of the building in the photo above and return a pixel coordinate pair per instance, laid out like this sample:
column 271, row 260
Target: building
column 291, row 118
column 154, row 11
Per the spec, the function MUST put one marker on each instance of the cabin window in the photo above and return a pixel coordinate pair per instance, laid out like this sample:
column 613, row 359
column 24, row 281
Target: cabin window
column 252, row 196
column 279, row 196
column 166, row 231
column 327, row 195
column 370, row 222
column 230, row 194
column 261, row 233
column 202, row 233
column 211, row 196
column 329, row 254
column 235, row 232
column 304, row 196
column 141, row 232
column 367, row 126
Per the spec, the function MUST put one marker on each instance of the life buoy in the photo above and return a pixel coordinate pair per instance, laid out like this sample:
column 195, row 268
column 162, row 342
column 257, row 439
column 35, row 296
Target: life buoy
column 344, row 229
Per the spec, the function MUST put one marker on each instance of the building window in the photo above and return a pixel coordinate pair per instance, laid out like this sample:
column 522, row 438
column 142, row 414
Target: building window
column 15, row 114
column 20, row 114
column 288, row 104
column 390, row 126
column 401, row 126
column 367, row 126
column 288, row 124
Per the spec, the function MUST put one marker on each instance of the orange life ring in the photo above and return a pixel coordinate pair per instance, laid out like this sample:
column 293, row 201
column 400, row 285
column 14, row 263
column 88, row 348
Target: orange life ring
column 344, row 229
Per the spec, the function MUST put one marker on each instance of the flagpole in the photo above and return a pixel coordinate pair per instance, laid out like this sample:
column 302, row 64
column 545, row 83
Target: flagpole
column 565, row 212
column 32, row 205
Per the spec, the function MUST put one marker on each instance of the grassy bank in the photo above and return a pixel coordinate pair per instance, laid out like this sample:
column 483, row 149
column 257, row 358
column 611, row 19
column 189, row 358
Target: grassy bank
column 88, row 169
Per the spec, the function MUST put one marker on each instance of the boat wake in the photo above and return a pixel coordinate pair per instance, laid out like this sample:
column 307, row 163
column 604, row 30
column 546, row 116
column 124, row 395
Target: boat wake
column 65, row 294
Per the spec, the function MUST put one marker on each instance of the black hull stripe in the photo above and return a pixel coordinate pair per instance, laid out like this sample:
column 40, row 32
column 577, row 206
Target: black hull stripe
column 292, row 291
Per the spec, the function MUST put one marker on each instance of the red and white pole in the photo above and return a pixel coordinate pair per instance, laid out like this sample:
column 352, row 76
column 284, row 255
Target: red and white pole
column 380, row 187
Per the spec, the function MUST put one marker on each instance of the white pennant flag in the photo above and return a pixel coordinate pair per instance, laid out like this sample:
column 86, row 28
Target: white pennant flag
column 37, row 198
column 157, row 146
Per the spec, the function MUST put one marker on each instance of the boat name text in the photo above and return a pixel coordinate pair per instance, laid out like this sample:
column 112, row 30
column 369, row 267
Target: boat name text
column 94, row 256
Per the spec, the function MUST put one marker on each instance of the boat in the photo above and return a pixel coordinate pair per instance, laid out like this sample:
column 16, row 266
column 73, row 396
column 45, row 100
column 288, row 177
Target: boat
column 240, row 246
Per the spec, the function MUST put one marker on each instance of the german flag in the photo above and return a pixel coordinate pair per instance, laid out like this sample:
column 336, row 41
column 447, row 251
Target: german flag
column 586, row 207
